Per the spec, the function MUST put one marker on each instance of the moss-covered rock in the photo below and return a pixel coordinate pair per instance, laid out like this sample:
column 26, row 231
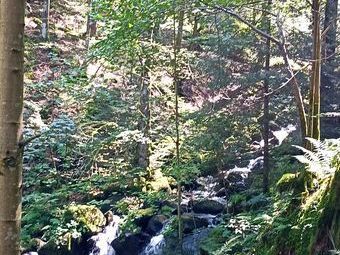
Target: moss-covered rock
column 89, row 217
column 287, row 182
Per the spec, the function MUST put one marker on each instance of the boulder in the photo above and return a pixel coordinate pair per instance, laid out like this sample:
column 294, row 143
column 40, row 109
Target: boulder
column 208, row 206
column 192, row 222
column 155, row 224
column 89, row 217
column 131, row 244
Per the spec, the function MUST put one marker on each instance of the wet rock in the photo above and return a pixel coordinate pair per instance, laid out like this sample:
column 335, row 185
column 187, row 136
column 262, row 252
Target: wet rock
column 143, row 217
column 192, row 222
column 131, row 244
column 155, row 224
column 208, row 207
column 223, row 192
column 235, row 177
column 184, row 209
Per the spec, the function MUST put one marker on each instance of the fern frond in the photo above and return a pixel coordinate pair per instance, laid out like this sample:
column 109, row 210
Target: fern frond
column 319, row 159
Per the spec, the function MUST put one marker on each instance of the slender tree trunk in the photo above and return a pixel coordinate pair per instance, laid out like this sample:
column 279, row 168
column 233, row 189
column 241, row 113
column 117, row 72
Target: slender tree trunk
column 45, row 26
column 179, row 36
column 295, row 85
column 91, row 26
column 266, row 107
column 11, row 104
column 144, row 122
column 314, row 94
column 177, row 45
column 330, row 26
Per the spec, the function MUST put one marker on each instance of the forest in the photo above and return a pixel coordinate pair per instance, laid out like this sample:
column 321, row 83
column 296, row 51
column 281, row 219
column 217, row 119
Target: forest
column 169, row 127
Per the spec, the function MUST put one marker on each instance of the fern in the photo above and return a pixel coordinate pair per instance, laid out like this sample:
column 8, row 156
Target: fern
column 319, row 159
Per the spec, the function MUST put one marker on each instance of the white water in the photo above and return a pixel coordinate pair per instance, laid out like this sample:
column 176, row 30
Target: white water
column 103, row 240
column 156, row 246
column 157, row 243
column 283, row 133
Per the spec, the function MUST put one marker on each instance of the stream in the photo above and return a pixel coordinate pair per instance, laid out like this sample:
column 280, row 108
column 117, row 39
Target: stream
column 202, row 210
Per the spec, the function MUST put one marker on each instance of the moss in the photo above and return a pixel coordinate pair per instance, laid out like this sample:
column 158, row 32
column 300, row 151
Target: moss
column 287, row 182
column 299, row 230
column 89, row 217
column 159, row 184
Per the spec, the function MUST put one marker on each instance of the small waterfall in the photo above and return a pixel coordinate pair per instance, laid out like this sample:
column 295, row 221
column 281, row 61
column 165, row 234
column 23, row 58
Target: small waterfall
column 156, row 245
column 283, row 133
column 101, row 243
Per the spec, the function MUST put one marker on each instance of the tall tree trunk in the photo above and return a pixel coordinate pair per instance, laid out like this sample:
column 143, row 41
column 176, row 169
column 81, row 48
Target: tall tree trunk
column 144, row 122
column 11, row 104
column 179, row 36
column 176, row 47
column 91, row 26
column 266, row 107
column 45, row 19
column 314, row 93
column 330, row 26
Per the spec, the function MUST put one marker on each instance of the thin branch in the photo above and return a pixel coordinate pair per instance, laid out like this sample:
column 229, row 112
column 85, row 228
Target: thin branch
column 232, row 13
column 283, row 85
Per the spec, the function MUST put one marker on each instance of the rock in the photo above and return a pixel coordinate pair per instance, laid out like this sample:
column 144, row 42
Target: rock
column 143, row 217
column 89, row 217
column 184, row 209
column 235, row 177
column 155, row 224
column 223, row 192
column 131, row 244
column 50, row 248
column 192, row 222
column 208, row 207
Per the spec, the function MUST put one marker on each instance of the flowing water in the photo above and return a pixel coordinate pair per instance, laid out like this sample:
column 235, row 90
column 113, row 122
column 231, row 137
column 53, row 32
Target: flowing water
column 102, row 241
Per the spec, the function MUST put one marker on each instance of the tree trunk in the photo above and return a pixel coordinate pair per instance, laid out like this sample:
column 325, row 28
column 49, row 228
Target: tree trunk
column 266, row 107
column 11, row 104
column 144, row 122
column 45, row 19
column 179, row 36
column 314, row 93
column 330, row 26
column 91, row 26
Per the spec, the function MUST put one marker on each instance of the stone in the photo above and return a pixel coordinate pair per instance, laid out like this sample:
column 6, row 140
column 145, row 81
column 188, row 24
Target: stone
column 192, row 222
column 90, row 217
column 155, row 224
column 208, row 206
column 131, row 244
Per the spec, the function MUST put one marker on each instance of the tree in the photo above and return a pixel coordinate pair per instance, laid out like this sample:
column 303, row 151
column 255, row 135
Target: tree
column 314, row 93
column 144, row 120
column 45, row 19
column 11, row 101
column 266, row 106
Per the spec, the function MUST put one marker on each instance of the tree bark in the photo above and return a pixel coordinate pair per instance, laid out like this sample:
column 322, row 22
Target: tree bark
column 144, row 122
column 11, row 105
column 314, row 93
column 45, row 19
column 266, row 107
